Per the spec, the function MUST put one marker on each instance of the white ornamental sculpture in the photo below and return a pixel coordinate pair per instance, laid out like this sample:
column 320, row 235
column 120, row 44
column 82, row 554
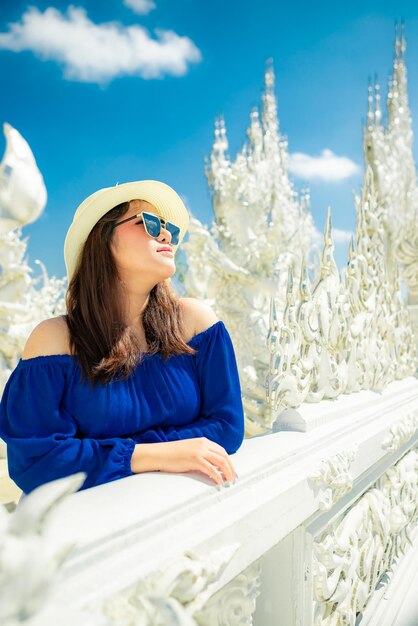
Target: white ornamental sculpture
column 22, row 188
column 359, row 549
column 29, row 563
column 23, row 303
column 181, row 594
column 342, row 335
column 389, row 152
column 262, row 227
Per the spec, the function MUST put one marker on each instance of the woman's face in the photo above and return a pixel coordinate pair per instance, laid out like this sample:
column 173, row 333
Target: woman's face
column 136, row 253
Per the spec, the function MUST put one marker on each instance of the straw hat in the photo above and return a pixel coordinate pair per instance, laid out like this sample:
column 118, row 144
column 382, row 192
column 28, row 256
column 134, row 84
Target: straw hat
column 167, row 202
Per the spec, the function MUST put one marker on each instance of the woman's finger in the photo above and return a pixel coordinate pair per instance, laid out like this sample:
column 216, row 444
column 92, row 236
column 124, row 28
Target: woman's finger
column 214, row 447
column 211, row 471
column 219, row 461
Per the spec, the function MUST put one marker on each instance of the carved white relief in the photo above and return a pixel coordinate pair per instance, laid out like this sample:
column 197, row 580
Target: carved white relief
column 28, row 566
column 146, row 610
column 351, row 556
column 176, row 591
column 333, row 478
column 401, row 432
column 341, row 335
column 407, row 255
column 235, row 603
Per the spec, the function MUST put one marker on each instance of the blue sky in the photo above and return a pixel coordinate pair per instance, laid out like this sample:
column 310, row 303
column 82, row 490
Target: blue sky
column 150, row 113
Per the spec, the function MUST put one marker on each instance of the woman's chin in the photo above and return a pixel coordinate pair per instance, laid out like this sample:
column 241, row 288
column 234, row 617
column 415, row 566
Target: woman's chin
column 170, row 272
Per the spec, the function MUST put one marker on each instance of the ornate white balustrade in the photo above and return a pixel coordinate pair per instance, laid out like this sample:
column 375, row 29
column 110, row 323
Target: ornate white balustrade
column 320, row 523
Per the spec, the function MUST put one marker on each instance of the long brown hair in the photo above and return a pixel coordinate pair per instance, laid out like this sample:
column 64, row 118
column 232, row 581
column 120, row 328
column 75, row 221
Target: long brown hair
column 105, row 346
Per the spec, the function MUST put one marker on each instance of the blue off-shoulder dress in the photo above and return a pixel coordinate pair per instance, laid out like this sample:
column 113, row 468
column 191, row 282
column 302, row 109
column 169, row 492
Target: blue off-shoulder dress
column 54, row 425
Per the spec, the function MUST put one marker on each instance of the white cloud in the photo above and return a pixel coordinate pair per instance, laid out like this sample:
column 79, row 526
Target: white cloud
column 98, row 53
column 328, row 166
column 142, row 7
column 339, row 236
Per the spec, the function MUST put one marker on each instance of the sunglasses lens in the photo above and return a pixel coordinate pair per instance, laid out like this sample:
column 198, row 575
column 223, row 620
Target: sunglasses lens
column 152, row 224
column 153, row 227
column 175, row 232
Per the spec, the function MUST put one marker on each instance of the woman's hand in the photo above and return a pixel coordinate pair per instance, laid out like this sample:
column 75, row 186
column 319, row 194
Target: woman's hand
column 185, row 455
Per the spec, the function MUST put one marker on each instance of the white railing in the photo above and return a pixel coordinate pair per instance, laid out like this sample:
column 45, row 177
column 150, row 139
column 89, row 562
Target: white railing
column 317, row 521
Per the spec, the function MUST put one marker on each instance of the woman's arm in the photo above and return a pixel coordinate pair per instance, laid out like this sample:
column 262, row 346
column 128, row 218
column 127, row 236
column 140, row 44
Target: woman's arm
column 43, row 442
column 145, row 458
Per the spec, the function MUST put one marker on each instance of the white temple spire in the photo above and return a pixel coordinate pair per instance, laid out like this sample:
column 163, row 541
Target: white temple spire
column 262, row 227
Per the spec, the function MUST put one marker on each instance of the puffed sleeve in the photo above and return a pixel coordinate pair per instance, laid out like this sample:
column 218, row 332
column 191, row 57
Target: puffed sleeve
column 221, row 416
column 42, row 438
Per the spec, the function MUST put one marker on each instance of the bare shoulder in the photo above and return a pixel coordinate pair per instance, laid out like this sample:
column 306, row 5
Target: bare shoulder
column 197, row 315
column 50, row 336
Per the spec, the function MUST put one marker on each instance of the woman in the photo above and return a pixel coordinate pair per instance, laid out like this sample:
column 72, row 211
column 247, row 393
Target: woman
column 133, row 378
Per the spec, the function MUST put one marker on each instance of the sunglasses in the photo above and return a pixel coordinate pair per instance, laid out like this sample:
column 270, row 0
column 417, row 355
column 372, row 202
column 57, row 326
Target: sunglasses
column 152, row 224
